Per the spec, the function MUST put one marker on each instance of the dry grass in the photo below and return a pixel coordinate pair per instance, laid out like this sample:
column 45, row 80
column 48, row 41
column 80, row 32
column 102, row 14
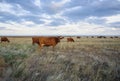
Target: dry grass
column 87, row 59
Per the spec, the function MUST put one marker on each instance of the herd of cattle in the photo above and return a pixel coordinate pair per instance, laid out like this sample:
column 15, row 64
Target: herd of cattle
column 43, row 41
column 51, row 41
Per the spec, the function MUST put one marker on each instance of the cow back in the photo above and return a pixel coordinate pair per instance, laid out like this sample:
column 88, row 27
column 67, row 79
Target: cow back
column 70, row 40
column 48, row 41
column 4, row 39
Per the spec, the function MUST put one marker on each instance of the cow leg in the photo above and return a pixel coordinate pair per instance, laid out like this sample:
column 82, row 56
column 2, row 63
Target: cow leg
column 8, row 41
column 53, row 48
column 32, row 43
column 41, row 46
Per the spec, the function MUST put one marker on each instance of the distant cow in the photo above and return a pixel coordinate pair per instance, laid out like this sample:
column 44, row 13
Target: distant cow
column 4, row 39
column 70, row 39
column 35, row 40
column 111, row 37
column 92, row 36
column 101, row 36
column 78, row 37
column 116, row 37
column 48, row 41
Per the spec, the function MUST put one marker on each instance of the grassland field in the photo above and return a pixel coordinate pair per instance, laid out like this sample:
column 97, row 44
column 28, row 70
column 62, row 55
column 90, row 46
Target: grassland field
column 86, row 59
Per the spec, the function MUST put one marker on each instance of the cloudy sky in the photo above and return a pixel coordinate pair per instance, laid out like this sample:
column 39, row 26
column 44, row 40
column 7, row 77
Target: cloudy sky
column 59, row 17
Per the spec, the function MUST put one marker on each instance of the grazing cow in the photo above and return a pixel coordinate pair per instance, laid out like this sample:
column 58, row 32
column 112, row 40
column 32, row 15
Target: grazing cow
column 35, row 40
column 78, row 37
column 48, row 41
column 111, row 37
column 70, row 39
column 92, row 36
column 116, row 36
column 4, row 39
column 101, row 37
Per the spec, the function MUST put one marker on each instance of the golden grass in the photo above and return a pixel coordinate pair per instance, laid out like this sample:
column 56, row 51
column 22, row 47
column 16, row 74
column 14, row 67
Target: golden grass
column 86, row 59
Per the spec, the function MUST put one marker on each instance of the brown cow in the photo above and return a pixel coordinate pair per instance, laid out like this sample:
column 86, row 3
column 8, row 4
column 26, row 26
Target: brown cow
column 4, row 39
column 101, row 36
column 35, row 40
column 78, row 37
column 48, row 41
column 116, row 37
column 70, row 39
column 92, row 36
column 111, row 37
